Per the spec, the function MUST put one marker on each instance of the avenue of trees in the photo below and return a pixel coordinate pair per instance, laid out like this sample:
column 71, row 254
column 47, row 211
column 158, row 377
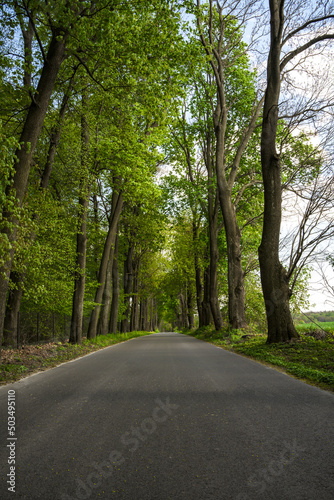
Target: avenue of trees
column 148, row 152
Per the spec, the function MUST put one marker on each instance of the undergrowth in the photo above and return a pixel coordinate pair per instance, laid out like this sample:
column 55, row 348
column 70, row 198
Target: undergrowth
column 28, row 359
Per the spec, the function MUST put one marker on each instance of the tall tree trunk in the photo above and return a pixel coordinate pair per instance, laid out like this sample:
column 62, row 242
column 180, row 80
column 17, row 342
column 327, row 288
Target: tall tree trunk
column 236, row 276
column 274, row 279
column 198, row 278
column 144, row 315
column 115, row 289
column 236, row 282
column 18, row 278
column 155, row 320
column 13, row 308
column 134, row 321
column 207, row 316
column 107, row 251
column 214, row 258
column 183, row 316
column 190, row 311
column 127, row 280
column 102, row 328
column 80, row 273
column 213, row 237
column 29, row 137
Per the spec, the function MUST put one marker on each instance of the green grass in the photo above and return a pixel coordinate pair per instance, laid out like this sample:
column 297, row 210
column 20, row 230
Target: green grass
column 309, row 327
column 308, row 359
column 18, row 363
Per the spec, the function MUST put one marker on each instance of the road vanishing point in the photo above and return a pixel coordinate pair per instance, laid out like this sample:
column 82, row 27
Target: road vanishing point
column 166, row 416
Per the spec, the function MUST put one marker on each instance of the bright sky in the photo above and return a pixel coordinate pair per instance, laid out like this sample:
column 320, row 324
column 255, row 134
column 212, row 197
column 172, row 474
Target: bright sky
column 319, row 299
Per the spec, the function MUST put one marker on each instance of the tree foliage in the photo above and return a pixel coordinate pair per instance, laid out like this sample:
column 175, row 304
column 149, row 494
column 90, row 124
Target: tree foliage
column 131, row 155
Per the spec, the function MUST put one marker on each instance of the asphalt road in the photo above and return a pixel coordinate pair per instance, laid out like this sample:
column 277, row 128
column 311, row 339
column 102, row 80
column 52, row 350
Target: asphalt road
column 167, row 417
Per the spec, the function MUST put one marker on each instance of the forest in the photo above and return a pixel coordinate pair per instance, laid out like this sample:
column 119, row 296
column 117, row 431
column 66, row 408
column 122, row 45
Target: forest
column 163, row 165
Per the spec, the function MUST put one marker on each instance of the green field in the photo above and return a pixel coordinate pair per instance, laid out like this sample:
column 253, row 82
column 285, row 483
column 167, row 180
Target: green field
column 327, row 326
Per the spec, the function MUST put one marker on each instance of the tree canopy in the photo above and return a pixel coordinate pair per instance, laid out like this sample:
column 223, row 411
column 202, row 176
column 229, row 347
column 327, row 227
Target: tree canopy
column 145, row 157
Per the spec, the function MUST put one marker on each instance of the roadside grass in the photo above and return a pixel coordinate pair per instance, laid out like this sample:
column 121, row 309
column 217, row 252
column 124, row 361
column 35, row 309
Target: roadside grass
column 311, row 358
column 311, row 327
column 32, row 358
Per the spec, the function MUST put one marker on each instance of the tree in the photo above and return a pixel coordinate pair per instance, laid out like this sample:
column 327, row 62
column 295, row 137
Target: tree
column 85, row 187
column 17, row 278
column 53, row 57
column 56, row 29
column 221, row 36
column 315, row 26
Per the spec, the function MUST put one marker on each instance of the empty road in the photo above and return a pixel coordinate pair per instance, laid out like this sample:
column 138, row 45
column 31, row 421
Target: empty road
column 166, row 417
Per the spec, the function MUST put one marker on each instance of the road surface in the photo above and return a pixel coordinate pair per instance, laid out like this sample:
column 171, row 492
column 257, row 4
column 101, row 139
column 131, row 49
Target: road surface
column 166, row 417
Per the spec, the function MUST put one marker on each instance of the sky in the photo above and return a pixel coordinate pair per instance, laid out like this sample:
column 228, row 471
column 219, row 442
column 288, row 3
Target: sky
column 319, row 299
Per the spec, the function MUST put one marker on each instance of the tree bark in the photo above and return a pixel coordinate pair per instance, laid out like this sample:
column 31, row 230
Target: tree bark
column 274, row 279
column 134, row 321
column 127, row 280
column 29, row 137
column 115, row 289
column 236, row 287
column 80, row 272
column 103, row 322
column 190, row 312
column 144, row 315
column 213, row 238
column 207, row 316
column 108, row 248
column 12, row 309
column 198, row 278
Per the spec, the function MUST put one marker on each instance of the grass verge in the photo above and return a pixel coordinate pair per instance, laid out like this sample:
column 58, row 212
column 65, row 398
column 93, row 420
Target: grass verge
column 18, row 363
column 309, row 359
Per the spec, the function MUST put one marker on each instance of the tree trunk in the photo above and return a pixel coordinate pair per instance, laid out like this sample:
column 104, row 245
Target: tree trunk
column 190, row 311
column 127, row 280
column 102, row 327
column 18, row 278
column 207, row 316
column 108, row 248
column 198, row 278
column 183, row 317
column 144, row 315
column 115, row 289
column 236, row 286
column 80, row 273
column 213, row 239
column 213, row 290
column 12, row 309
column 134, row 322
column 29, row 137
column 274, row 279
column 155, row 322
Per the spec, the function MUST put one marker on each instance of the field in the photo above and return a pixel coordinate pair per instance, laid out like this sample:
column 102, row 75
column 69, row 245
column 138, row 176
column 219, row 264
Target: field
column 319, row 326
